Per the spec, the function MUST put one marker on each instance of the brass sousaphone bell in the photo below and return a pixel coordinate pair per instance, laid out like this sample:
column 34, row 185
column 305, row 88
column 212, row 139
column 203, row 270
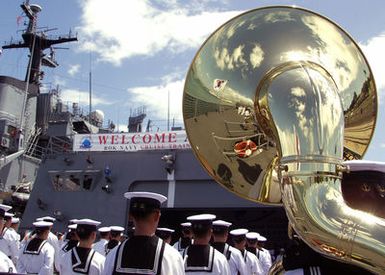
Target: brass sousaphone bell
column 274, row 101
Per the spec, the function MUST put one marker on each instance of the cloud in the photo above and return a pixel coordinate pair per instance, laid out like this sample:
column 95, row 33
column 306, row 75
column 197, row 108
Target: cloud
column 82, row 97
column 123, row 29
column 374, row 52
column 155, row 98
column 74, row 69
column 382, row 145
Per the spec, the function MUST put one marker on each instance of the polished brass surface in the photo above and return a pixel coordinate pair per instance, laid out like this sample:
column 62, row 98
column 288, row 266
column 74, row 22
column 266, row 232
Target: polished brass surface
column 274, row 100
column 221, row 88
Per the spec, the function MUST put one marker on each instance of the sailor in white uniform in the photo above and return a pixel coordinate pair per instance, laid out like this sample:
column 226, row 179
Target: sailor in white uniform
column 233, row 255
column 83, row 259
column 37, row 257
column 100, row 246
column 144, row 252
column 52, row 239
column 15, row 226
column 73, row 240
column 165, row 234
column 116, row 233
column 6, row 265
column 252, row 263
column 200, row 258
column 262, row 254
column 9, row 239
column 186, row 238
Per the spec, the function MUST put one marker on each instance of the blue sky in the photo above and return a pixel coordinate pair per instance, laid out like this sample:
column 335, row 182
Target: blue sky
column 141, row 50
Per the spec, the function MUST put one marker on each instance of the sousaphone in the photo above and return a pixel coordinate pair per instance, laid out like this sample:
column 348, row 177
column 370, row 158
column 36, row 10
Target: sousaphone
column 274, row 101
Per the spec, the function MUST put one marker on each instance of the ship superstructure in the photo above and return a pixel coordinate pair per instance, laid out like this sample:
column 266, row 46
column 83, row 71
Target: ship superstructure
column 83, row 169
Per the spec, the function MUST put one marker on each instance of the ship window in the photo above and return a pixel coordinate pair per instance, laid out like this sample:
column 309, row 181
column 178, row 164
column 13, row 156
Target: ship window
column 74, row 180
column 87, row 182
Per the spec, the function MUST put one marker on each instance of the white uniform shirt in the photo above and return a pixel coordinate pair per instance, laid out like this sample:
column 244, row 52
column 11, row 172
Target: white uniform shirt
column 252, row 263
column 10, row 243
column 264, row 258
column 172, row 263
column 100, row 246
column 217, row 264
column 54, row 241
column 93, row 266
column 237, row 263
column 6, row 265
column 178, row 246
column 39, row 263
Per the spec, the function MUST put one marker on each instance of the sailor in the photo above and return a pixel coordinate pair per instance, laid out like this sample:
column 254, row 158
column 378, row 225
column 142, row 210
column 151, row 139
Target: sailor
column 72, row 238
column 82, row 259
column 263, row 255
column 100, row 246
column 52, row 239
column 200, row 258
column 233, row 255
column 252, row 263
column 165, row 234
column 15, row 222
column 37, row 257
column 144, row 252
column 6, row 265
column 186, row 238
column 9, row 239
column 115, row 237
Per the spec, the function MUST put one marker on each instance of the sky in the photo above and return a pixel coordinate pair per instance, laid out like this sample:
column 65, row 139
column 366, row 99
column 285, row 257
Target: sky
column 139, row 51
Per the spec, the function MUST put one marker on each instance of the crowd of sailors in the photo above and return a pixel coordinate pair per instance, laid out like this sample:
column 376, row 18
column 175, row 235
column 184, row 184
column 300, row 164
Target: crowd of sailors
column 204, row 247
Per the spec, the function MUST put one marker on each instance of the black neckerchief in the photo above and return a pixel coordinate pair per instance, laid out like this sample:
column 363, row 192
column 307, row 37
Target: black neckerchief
column 199, row 258
column 34, row 246
column 184, row 242
column 81, row 259
column 70, row 244
column 224, row 248
column 140, row 255
column 252, row 250
column 110, row 245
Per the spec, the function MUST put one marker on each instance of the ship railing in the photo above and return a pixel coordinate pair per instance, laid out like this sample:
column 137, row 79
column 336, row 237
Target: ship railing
column 58, row 145
column 33, row 150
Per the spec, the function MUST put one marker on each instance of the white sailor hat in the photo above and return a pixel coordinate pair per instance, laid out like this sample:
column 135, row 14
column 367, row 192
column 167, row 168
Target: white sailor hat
column 144, row 201
column 72, row 226
column 252, row 236
column 41, row 224
column 186, row 224
column 104, row 229
column 47, row 219
column 201, row 221
column 72, row 221
column 220, row 226
column 222, row 223
column 15, row 220
column 239, row 235
column 201, row 217
column 365, row 165
column 239, row 232
column 165, row 229
column 262, row 238
column 4, row 208
column 117, row 228
column 8, row 215
column 86, row 225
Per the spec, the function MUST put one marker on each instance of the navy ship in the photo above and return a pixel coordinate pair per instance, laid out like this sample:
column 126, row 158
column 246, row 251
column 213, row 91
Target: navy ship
column 78, row 168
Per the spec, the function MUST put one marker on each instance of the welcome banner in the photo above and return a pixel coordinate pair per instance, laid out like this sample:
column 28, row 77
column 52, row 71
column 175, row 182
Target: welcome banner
column 131, row 142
